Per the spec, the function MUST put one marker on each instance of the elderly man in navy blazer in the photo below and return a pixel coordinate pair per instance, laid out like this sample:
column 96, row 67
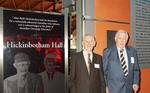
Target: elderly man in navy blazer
column 121, row 69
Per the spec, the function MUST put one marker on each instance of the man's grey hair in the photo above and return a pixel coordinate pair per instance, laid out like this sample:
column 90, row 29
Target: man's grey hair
column 121, row 31
column 89, row 34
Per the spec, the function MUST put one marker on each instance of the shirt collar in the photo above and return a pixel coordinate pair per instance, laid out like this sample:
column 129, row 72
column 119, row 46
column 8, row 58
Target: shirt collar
column 86, row 52
column 120, row 48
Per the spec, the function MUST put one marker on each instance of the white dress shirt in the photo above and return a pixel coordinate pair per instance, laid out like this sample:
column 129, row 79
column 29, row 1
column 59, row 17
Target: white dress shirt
column 85, row 54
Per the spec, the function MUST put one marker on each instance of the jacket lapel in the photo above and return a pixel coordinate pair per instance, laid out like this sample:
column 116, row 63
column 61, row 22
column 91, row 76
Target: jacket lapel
column 129, row 60
column 116, row 56
column 83, row 62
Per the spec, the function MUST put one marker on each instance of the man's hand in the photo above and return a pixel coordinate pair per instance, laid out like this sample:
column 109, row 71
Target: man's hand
column 107, row 91
column 135, row 88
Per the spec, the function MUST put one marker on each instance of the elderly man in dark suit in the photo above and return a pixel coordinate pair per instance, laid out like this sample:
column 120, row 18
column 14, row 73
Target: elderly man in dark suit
column 121, row 69
column 86, row 69
column 23, row 81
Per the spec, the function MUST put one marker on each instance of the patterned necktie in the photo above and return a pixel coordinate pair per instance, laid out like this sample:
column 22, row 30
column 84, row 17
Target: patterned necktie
column 89, row 64
column 123, row 63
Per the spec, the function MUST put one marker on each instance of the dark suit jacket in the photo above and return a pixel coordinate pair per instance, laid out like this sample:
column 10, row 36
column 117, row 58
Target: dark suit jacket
column 113, row 73
column 34, row 84
column 82, row 82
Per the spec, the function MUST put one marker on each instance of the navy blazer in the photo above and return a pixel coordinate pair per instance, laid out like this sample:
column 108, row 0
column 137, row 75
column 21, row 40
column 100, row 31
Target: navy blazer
column 113, row 73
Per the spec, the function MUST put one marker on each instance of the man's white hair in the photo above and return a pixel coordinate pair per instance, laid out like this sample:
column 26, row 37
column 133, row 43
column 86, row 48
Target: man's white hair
column 89, row 34
column 121, row 31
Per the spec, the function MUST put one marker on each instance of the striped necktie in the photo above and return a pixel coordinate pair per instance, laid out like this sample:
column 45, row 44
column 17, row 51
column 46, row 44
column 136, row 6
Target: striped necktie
column 89, row 63
column 123, row 63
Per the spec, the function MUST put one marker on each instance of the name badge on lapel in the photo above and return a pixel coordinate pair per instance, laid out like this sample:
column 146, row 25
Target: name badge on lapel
column 132, row 60
column 96, row 65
